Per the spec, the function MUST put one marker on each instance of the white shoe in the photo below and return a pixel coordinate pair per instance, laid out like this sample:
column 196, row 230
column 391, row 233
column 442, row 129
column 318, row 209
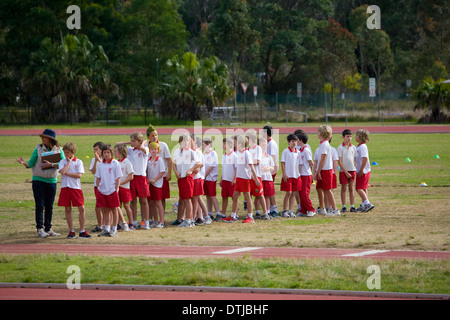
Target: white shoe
column 42, row 234
column 333, row 212
column 310, row 213
column 124, row 226
column 321, row 211
column 52, row 233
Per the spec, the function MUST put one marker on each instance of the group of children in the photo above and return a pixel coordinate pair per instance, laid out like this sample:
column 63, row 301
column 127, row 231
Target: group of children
column 141, row 173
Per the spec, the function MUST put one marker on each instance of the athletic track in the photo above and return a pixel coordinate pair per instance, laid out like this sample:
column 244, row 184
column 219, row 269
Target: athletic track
column 96, row 292
column 116, row 292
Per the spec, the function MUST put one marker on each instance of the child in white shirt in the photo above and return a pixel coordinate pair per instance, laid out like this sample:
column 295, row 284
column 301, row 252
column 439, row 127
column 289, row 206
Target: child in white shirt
column 71, row 170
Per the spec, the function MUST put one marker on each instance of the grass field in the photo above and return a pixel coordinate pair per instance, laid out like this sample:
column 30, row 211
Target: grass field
column 407, row 216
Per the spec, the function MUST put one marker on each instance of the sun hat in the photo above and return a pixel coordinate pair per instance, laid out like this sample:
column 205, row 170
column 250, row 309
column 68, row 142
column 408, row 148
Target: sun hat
column 49, row 133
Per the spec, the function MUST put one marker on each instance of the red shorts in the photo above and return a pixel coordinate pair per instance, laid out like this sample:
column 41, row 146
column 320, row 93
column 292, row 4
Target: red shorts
column 110, row 201
column 139, row 187
column 125, row 195
column 334, row 183
column 257, row 191
column 155, row 193
column 227, row 189
column 69, row 197
column 198, row 187
column 209, row 188
column 327, row 180
column 242, row 185
column 362, row 182
column 165, row 189
column 292, row 184
column 269, row 188
column 186, row 187
column 343, row 178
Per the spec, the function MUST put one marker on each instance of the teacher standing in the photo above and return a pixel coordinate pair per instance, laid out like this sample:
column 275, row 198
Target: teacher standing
column 44, row 182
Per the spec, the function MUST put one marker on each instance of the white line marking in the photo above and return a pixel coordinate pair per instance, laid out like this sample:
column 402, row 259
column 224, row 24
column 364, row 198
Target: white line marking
column 364, row 253
column 237, row 250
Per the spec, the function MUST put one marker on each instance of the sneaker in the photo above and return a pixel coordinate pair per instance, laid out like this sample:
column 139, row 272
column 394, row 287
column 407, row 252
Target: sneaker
column 230, row 219
column 266, row 217
column 199, row 222
column 301, row 215
column 84, row 235
column 321, row 211
column 113, row 233
column 42, row 234
column 124, row 227
column 333, row 212
column 344, row 209
column 52, row 233
column 131, row 227
column 360, row 208
column 208, row 219
column 71, row 235
column 275, row 214
column 160, row 225
column 352, row 209
column 218, row 217
column 368, row 207
column 310, row 213
column 96, row 229
column 104, row 233
column 185, row 223
column 285, row 214
column 248, row 220
column 291, row 214
column 257, row 215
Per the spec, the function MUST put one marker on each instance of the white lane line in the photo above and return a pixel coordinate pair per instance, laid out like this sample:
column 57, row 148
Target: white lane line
column 236, row 250
column 364, row 253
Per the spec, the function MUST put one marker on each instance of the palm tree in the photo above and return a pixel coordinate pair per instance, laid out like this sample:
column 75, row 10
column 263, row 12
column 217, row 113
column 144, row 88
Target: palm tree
column 68, row 76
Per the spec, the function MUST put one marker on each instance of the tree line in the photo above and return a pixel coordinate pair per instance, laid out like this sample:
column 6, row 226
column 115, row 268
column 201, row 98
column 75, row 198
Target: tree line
column 179, row 55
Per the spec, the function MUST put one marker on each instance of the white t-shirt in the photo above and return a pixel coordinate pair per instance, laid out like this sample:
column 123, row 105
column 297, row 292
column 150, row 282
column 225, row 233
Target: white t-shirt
column 92, row 166
column 127, row 168
column 325, row 148
column 272, row 150
column 108, row 172
column 184, row 160
column 348, row 156
column 266, row 162
column 243, row 160
column 335, row 157
column 164, row 153
column 201, row 172
column 256, row 153
column 362, row 152
column 291, row 160
column 229, row 166
column 210, row 160
column 75, row 167
column 306, row 156
column 139, row 160
column 154, row 168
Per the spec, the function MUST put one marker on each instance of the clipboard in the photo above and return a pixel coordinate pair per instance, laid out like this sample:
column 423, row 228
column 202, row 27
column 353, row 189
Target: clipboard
column 51, row 157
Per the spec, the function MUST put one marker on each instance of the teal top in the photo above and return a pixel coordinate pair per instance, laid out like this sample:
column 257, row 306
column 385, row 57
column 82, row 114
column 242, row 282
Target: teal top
column 32, row 162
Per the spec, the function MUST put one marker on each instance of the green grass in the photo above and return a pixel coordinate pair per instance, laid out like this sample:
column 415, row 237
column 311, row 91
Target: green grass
column 328, row 274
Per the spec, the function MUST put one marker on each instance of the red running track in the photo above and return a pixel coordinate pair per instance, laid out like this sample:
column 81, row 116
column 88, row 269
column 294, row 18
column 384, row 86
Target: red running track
column 58, row 292
column 223, row 130
column 217, row 252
